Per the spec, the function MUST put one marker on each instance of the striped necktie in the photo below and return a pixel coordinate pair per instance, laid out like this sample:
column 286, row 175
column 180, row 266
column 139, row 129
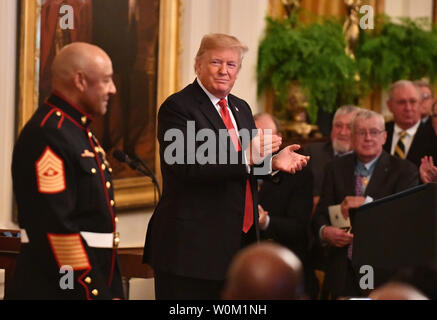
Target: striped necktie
column 400, row 147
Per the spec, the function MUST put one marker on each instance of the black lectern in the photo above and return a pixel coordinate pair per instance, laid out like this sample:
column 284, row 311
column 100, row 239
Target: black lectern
column 396, row 231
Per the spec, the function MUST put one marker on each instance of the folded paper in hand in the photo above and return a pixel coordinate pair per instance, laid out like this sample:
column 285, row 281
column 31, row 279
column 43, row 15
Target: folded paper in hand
column 337, row 218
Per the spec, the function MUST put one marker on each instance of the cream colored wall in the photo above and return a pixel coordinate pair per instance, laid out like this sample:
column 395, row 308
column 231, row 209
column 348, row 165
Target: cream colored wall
column 409, row 8
column 7, row 107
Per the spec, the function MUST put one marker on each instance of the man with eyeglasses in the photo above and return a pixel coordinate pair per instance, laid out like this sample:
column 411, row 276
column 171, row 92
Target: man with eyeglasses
column 367, row 174
column 407, row 137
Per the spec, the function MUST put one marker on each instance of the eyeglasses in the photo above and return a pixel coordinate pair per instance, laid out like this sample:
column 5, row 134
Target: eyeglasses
column 426, row 96
column 372, row 132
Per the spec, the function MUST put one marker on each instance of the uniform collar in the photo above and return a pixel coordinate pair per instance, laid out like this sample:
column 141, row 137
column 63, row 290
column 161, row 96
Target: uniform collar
column 58, row 101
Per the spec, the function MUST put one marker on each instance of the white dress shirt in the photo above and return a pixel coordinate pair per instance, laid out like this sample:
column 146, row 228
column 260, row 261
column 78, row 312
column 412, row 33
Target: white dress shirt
column 408, row 139
column 215, row 102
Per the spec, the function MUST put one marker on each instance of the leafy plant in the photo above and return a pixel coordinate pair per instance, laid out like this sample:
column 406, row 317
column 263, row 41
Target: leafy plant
column 394, row 51
column 314, row 56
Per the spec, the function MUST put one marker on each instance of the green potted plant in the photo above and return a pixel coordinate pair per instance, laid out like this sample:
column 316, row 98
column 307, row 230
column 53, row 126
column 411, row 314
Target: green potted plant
column 313, row 56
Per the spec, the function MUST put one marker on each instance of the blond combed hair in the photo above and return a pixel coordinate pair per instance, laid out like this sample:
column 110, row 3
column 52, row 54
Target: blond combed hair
column 221, row 41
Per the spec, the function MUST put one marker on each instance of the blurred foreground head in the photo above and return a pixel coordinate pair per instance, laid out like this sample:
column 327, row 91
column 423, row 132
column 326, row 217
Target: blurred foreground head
column 264, row 271
column 397, row 291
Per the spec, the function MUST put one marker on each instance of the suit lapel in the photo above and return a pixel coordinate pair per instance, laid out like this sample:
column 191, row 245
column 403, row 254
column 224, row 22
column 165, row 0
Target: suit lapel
column 390, row 130
column 349, row 175
column 416, row 143
column 236, row 113
column 207, row 108
column 379, row 174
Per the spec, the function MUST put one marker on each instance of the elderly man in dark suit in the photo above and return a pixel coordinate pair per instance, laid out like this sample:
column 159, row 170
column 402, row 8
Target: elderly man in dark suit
column 367, row 174
column 208, row 209
column 407, row 137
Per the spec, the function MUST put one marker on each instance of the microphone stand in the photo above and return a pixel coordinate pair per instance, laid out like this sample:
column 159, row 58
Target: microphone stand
column 147, row 172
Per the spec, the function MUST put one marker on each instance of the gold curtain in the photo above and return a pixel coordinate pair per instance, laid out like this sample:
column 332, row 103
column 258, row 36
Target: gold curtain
column 323, row 7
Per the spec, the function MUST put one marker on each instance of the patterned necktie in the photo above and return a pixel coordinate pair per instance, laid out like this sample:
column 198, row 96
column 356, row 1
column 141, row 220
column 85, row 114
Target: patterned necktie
column 248, row 204
column 400, row 147
column 360, row 186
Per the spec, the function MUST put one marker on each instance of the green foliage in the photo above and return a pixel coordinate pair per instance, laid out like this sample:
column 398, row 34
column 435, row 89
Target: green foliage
column 397, row 51
column 314, row 55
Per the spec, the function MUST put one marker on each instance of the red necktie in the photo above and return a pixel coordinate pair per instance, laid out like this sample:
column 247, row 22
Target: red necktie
column 248, row 204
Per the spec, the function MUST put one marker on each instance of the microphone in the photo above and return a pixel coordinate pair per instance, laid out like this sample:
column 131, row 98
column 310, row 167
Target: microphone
column 136, row 164
column 123, row 157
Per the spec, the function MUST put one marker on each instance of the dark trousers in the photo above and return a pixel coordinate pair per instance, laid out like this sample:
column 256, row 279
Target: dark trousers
column 173, row 287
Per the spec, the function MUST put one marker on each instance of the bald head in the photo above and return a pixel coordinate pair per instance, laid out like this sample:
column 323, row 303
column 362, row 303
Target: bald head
column 264, row 271
column 266, row 121
column 82, row 73
column 397, row 291
column 75, row 57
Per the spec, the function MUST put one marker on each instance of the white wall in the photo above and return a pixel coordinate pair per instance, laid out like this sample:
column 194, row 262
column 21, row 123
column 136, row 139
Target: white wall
column 7, row 115
column 241, row 18
column 8, row 14
column 409, row 8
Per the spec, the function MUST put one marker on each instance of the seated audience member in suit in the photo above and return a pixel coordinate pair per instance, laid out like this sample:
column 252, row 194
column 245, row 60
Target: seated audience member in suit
column 397, row 291
column 285, row 205
column 407, row 137
column 427, row 96
column 367, row 174
column 323, row 152
column 264, row 271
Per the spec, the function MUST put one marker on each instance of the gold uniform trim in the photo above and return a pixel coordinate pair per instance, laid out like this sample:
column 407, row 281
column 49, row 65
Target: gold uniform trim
column 69, row 251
